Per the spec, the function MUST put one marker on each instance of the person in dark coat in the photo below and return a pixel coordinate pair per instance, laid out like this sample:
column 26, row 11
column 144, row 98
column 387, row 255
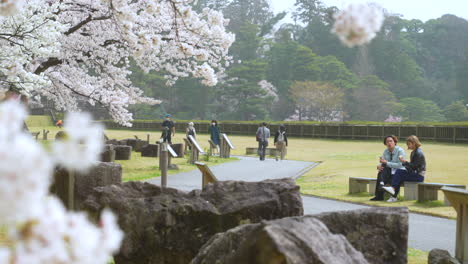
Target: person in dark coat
column 214, row 132
column 168, row 129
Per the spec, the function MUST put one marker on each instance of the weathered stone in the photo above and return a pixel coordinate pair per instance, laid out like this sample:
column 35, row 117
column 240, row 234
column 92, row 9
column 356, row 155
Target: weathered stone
column 123, row 152
column 381, row 234
column 112, row 142
column 61, row 135
column 301, row 240
column 108, row 154
column 122, row 142
column 131, row 142
column 137, row 144
column 171, row 226
column 102, row 174
column 440, row 256
column 150, row 150
column 179, row 149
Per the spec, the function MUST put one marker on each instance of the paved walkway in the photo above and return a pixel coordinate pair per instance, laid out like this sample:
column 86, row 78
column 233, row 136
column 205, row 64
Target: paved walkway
column 425, row 232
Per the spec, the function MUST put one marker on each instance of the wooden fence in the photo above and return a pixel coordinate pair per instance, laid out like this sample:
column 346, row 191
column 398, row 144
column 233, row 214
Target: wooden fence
column 454, row 134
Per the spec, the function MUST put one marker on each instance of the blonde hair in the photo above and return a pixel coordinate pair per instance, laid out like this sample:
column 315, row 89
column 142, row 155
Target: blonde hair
column 415, row 140
column 190, row 124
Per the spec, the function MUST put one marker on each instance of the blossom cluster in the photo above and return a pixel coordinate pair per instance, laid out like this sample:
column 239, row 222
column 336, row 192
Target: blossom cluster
column 40, row 230
column 357, row 24
column 269, row 88
column 82, row 49
column 394, row 119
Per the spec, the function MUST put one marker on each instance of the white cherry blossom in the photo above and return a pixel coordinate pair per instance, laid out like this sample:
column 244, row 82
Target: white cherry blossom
column 71, row 49
column 357, row 24
column 39, row 229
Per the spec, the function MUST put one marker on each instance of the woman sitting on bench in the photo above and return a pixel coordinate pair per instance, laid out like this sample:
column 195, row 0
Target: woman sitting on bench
column 415, row 169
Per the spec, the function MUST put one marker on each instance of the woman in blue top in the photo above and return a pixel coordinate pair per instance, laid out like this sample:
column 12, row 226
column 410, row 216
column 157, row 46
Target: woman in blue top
column 415, row 168
column 389, row 165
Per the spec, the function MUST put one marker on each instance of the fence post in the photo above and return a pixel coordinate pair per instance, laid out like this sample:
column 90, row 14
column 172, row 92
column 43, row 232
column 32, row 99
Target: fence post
column 454, row 134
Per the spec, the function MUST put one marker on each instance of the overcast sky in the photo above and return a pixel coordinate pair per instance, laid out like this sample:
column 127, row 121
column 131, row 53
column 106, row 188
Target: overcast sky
column 419, row 9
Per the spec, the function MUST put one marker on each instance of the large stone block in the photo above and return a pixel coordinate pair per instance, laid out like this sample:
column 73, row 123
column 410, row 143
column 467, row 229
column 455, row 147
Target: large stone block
column 137, row 144
column 179, row 149
column 123, row 152
column 150, row 150
column 170, row 226
column 102, row 174
column 441, row 256
column 301, row 240
column 108, row 154
column 381, row 234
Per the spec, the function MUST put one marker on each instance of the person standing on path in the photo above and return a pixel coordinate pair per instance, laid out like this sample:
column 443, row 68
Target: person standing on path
column 168, row 129
column 281, row 142
column 262, row 135
column 213, row 130
column 190, row 131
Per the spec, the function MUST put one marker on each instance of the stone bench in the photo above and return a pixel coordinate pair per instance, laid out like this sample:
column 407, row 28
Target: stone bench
column 358, row 184
column 268, row 151
column 429, row 191
column 459, row 200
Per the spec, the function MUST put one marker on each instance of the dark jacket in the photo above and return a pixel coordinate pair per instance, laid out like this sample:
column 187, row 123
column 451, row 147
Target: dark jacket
column 417, row 162
column 284, row 134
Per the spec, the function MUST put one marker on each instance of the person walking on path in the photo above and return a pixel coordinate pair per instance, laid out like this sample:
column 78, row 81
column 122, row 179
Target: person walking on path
column 190, row 131
column 262, row 135
column 214, row 132
column 281, row 142
column 168, row 129
column 415, row 168
column 389, row 165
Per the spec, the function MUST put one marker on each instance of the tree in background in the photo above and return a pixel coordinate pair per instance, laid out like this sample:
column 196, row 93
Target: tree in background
column 456, row 111
column 241, row 97
column 318, row 101
column 371, row 100
column 462, row 77
column 420, row 110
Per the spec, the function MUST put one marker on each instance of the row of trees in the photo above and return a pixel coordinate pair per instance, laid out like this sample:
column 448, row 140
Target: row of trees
column 412, row 69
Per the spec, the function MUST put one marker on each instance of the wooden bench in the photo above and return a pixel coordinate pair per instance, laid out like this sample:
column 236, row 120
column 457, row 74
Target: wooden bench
column 358, row 184
column 459, row 200
column 268, row 151
column 207, row 174
column 429, row 191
